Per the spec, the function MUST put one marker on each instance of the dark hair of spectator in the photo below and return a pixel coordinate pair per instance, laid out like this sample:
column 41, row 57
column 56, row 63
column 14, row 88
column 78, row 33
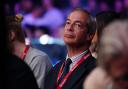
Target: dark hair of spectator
column 103, row 19
column 13, row 24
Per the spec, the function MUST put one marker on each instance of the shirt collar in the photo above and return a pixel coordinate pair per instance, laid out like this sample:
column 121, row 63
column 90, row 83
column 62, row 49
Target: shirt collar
column 77, row 57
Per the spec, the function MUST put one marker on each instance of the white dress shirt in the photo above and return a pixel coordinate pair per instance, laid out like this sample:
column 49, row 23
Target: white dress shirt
column 76, row 58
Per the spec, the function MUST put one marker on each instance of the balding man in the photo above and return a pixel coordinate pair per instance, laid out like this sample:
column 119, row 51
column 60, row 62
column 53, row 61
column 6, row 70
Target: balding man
column 78, row 32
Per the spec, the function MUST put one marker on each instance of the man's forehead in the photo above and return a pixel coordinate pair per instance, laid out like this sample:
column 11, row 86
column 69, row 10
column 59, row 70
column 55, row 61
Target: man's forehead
column 82, row 13
column 78, row 16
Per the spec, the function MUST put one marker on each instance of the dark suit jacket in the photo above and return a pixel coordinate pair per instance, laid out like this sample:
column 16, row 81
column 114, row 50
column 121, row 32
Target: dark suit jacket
column 18, row 75
column 75, row 80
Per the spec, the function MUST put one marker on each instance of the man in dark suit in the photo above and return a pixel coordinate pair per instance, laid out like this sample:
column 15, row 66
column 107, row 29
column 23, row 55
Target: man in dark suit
column 78, row 32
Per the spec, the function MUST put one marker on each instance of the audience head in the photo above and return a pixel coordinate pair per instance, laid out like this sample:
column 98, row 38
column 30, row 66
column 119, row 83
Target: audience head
column 79, row 28
column 14, row 29
column 103, row 19
column 27, row 6
column 113, row 52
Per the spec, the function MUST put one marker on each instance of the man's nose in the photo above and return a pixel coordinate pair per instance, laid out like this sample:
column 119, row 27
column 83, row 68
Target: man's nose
column 70, row 27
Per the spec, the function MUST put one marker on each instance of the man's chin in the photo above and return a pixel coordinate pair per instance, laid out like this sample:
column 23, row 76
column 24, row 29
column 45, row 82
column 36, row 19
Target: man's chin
column 70, row 43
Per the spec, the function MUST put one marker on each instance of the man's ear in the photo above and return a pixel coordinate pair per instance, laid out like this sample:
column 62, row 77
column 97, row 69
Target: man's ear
column 90, row 36
column 12, row 36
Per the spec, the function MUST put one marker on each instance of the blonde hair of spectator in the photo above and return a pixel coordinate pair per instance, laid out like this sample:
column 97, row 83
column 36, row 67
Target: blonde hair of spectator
column 113, row 42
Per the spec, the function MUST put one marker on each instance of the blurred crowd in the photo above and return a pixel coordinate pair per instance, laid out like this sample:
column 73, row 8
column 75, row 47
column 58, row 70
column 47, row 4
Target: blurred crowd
column 51, row 14
column 43, row 20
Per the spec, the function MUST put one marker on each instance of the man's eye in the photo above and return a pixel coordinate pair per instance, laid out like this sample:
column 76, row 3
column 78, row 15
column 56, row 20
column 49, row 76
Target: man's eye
column 67, row 23
column 78, row 25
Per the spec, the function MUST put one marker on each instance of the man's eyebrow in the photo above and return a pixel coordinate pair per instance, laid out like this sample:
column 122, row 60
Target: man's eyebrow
column 77, row 21
column 67, row 19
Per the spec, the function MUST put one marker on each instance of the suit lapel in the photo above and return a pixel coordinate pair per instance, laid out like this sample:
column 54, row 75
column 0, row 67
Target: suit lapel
column 78, row 74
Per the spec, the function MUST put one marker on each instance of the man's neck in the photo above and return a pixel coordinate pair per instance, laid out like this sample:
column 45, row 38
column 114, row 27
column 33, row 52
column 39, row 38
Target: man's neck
column 19, row 48
column 72, row 51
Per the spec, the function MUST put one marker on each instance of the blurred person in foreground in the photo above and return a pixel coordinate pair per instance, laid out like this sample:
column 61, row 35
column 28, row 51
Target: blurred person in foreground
column 15, row 74
column 78, row 32
column 36, row 59
column 102, row 80
column 113, row 53
column 112, row 58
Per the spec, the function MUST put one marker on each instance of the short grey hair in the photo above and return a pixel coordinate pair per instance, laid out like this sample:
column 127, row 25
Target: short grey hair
column 91, row 24
column 113, row 42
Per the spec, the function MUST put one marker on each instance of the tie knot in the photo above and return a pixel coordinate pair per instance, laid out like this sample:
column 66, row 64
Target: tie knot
column 68, row 61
